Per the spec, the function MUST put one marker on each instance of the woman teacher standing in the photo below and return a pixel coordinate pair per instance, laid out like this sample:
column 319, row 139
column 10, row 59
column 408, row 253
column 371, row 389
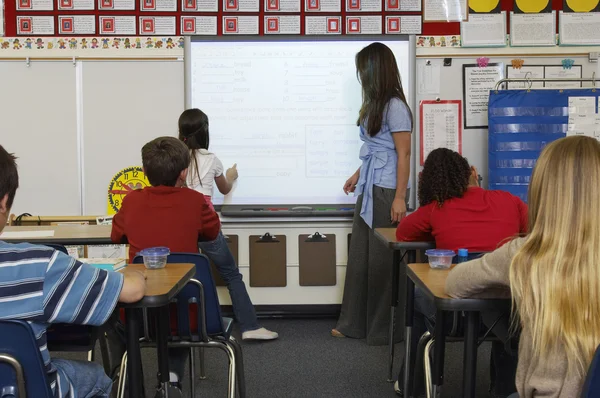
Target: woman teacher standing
column 385, row 122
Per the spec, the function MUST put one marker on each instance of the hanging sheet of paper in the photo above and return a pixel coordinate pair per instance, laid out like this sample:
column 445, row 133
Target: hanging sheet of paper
column 558, row 72
column 525, row 72
column 477, row 83
column 484, row 30
column 533, row 29
column 441, row 126
column 582, row 116
column 429, row 77
column 577, row 28
column 323, row 25
column 445, row 10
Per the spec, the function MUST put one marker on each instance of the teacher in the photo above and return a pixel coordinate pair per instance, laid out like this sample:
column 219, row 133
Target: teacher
column 381, row 182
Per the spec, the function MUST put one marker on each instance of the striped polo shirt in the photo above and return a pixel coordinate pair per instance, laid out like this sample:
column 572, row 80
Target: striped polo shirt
column 43, row 286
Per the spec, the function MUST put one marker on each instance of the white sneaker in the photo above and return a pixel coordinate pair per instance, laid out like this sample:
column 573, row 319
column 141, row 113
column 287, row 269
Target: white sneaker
column 259, row 334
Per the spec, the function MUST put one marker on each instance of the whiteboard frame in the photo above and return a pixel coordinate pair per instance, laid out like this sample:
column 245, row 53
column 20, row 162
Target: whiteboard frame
column 411, row 85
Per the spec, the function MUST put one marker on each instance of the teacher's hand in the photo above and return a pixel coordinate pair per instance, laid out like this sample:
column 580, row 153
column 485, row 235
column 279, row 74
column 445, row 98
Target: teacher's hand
column 398, row 211
column 350, row 184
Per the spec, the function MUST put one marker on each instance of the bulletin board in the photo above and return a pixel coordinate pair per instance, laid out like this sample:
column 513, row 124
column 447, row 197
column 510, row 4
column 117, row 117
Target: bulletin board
column 35, row 18
column 446, row 83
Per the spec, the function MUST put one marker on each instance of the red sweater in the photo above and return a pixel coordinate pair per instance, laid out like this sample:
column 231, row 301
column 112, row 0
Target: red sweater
column 165, row 216
column 480, row 221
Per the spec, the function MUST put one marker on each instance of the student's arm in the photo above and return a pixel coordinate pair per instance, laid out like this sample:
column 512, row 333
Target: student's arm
column 209, row 224
column 134, row 287
column 81, row 294
column 400, row 124
column 225, row 181
column 416, row 227
column 485, row 277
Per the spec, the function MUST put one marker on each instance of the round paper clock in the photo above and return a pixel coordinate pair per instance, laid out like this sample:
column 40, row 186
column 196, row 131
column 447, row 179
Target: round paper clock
column 124, row 182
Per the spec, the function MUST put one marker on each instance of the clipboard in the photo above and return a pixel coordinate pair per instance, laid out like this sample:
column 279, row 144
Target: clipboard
column 268, row 260
column 317, row 260
column 233, row 244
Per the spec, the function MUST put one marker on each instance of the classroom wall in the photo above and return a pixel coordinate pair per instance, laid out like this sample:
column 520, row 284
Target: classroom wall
column 475, row 141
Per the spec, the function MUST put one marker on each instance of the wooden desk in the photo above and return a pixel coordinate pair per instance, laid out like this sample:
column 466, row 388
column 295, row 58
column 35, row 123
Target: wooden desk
column 388, row 237
column 432, row 282
column 162, row 286
column 64, row 234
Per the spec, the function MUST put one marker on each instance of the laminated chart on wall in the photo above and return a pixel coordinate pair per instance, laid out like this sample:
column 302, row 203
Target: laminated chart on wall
column 522, row 123
column 441, row 126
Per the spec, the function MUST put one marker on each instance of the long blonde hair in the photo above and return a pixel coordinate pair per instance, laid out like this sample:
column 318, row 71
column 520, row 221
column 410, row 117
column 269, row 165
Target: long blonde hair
column 555, row 276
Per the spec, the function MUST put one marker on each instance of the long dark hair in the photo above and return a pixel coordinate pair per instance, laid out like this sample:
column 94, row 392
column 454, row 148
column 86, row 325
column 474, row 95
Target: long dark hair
column 193, row 131
column 445, row 176
column 377, row 71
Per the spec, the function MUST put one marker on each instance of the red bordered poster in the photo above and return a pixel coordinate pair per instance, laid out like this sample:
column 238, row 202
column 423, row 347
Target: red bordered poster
column 441, row 126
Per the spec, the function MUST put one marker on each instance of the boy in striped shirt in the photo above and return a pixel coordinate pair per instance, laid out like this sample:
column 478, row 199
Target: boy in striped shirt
column 43, row 286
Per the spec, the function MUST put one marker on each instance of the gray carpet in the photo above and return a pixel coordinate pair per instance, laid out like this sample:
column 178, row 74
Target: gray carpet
column 307, row 362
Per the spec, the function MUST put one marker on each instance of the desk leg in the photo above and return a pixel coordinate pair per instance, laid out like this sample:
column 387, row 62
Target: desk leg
column 162, row 349
column 408, row 321
column 393, row 306
column 470, row 354
column 438, row 353
column 134, row 356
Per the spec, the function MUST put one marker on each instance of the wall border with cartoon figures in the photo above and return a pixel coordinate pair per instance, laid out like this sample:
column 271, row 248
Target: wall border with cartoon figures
column 91, row 47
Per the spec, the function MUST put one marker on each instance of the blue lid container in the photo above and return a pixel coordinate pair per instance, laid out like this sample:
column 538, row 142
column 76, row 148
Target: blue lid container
column 463, row 253
column 439, row 252
column 155, row 257
column 440, row 258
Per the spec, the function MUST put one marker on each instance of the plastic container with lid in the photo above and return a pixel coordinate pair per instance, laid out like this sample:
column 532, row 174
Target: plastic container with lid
column 463, row 255
column 439, row 258
column 155, row 257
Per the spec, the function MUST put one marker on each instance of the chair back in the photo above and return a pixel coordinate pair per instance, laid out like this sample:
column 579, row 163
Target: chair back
column 190, row 298
column 57, row 247
column 22, row 371
column 591, row 387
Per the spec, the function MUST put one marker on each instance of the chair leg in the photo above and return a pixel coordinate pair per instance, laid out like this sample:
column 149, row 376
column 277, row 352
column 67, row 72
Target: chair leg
column 239, row 361
column 192, row 373
column 232, row 364
column 122, row 377
column 427, row 369
column 202, row 368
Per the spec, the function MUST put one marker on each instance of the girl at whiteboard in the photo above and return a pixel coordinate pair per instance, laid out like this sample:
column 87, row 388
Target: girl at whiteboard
column 385, row 123
column 205, row 171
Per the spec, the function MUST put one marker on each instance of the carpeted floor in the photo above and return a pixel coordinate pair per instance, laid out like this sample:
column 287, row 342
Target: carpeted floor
column 307, row 362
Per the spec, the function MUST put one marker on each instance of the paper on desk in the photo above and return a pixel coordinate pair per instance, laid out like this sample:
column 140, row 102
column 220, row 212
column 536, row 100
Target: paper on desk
column 27, row 234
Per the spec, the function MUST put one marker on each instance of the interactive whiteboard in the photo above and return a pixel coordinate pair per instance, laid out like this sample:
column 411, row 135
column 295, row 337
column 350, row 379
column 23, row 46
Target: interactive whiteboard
column 285, row 112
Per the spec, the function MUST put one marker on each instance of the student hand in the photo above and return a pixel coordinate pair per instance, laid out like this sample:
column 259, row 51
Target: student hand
column 350, row 184
column 232, row 173
column 398, row 211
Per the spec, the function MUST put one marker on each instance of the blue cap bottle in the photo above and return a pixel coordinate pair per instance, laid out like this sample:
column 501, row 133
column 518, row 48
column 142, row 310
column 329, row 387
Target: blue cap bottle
column 463, row 255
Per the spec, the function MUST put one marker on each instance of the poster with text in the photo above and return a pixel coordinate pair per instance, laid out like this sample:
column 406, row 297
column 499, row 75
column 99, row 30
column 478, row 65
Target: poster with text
column 477, row 83
column 441, row 126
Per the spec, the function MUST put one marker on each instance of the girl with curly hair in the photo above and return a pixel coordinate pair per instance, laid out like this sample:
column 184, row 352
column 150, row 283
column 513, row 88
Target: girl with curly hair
column 456, row 213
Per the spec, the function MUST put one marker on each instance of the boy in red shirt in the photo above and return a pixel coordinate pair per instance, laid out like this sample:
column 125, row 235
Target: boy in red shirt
column 456, row 213
column 165, row 214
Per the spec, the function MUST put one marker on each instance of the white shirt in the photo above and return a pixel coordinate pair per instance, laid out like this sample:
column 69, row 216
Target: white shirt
column 209, row 168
